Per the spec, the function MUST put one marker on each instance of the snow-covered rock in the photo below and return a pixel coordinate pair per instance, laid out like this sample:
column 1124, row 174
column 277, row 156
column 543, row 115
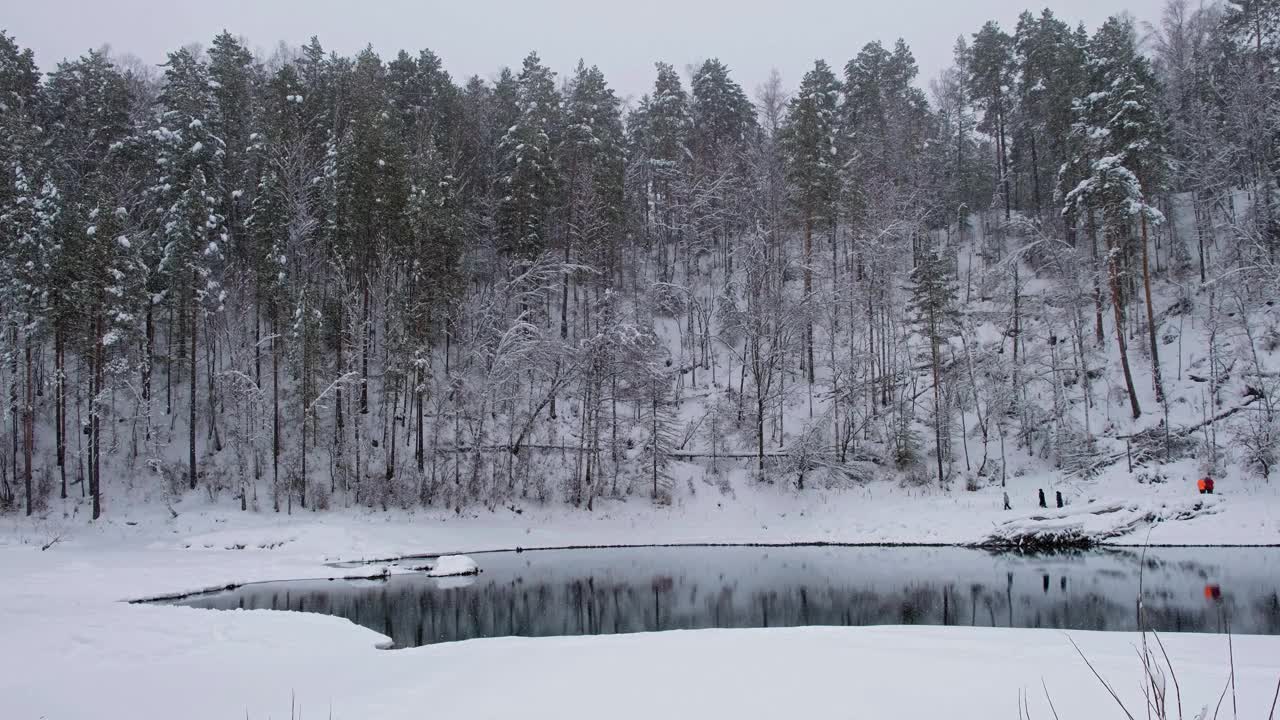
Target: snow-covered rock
column 1094, row 522
column 451, row 565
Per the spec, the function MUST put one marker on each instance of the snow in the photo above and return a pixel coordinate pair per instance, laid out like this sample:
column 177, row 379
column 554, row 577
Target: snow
column 1098, row 521
column 451, row 565
column 60, row 609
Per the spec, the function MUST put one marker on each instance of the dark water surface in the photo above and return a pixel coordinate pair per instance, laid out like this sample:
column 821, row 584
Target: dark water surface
column 593, row 592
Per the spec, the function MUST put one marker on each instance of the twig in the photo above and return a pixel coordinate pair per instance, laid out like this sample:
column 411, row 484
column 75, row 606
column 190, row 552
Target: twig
column 1231, row 654
column 1177, row 690
column 1150, row 697
column 1051, row 707
column 1272, row 714
column 1105, row 684
column 1221, row 698
column 51, row 543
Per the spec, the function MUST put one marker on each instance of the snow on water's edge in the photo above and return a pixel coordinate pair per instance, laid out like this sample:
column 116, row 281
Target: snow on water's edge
column 60, row 608
column 453, row 565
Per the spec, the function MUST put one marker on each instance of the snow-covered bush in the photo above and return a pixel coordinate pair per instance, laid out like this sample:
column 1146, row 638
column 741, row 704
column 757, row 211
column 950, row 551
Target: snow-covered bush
column 809, row 451
column 1257, row 435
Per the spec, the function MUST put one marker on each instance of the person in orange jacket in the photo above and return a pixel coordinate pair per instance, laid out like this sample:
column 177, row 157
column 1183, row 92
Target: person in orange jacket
column 1205, row 485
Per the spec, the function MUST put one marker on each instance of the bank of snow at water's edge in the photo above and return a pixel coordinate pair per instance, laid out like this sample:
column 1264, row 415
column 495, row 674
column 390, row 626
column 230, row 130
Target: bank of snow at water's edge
column 740, row 511
column 453, row 565
column 62, row 608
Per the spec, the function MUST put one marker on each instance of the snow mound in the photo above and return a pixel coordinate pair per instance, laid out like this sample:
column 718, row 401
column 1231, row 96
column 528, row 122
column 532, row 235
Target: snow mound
column 1082, row 526
column 451, row 565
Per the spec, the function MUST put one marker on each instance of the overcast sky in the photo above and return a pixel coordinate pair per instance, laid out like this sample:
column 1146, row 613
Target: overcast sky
column 480, row 36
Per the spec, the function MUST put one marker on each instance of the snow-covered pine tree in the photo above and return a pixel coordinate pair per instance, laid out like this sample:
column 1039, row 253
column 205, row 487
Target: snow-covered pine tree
column 1050, row 67
column 933, row 300
column 235, row 79
column 20, row 190
column 1118, row 145
column 591, row 163
column 102, row 181
column 991, row 68
column 666, row 156
column 722, row 127
column 528, row 176
column 188, row 195
column 810, row 144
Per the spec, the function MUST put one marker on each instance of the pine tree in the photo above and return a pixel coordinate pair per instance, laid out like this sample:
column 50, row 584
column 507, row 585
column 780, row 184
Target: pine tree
column 666, row 157
column 990, row 78
column 592, row 163
column 722, row 118
column 529, row 178
column 87, row 121
column 21, row 188
column 965, row 188
column 233, row 78
column 933, row 300
column 1049, row 70
column 723, row 127
column 188, row 195
column 809, row 141
column 1118, row 144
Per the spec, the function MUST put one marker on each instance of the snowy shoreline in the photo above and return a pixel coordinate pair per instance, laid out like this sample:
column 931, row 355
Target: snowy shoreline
column 62, row 607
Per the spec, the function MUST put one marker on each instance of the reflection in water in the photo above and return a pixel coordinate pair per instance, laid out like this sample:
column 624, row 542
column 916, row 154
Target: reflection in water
column 590, row 592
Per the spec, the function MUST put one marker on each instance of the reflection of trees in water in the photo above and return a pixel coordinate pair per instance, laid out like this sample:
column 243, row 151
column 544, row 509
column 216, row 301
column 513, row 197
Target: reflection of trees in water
column 1267, row 609
column 415, row 612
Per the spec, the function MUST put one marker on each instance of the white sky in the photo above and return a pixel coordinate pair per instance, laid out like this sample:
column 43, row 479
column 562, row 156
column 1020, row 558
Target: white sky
column 481, row 36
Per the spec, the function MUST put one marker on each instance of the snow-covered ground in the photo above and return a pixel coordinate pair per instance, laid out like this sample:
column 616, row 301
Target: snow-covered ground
column 61, row 618
column 71, row 650
column 742, row 511
column 63, row 622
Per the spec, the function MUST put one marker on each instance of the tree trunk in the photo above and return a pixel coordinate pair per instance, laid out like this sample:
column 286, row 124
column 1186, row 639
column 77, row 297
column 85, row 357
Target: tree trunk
column 339, row 417
column 147, row 362
column 15, row 416
column 1151, row 318
column 95, row 414
column 1035, row 174
column 28, row 425
column 303, row 394
column 211, row 362
column 60, row 405
column 191, row 435
column 655, row 442
column 808, row 291
column 1097, row 291
column 1113, row 262
column 419, row 444
column 366, row 333
column 1196, row 205
column 937, row 398
column 168, row 363
column 1017, row 309
column 1004, row 164
column 275, row 414
column 760, row 430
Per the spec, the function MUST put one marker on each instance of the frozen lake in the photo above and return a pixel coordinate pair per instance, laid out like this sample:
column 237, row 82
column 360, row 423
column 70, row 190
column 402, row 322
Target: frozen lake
column 628, row 590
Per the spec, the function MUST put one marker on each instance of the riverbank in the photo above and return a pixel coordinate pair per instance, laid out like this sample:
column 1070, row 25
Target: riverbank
column 61, row 617
column 62, row 623
column 1121, row 513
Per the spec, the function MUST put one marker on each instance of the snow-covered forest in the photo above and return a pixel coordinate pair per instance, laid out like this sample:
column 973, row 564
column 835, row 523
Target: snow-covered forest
column 313, row 281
